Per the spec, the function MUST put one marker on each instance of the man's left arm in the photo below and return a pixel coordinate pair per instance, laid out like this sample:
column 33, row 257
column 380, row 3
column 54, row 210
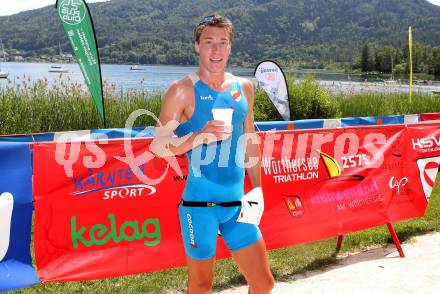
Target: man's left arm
column 252, row 145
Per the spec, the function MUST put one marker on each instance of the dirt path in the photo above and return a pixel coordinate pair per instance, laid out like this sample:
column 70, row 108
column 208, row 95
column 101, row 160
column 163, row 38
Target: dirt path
column 379, row 270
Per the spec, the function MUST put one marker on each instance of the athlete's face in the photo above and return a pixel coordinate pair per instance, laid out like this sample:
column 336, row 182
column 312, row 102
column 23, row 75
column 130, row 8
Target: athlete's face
column 213, row 48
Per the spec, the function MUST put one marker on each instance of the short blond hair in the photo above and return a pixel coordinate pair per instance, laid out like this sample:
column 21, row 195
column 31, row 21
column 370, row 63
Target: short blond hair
column 214, row 20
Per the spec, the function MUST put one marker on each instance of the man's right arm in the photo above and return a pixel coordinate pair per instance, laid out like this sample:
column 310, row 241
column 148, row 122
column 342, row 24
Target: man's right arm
column 174, row 102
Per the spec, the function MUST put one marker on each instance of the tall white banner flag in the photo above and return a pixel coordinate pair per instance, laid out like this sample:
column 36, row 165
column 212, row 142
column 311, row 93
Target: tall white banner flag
column 271, row 78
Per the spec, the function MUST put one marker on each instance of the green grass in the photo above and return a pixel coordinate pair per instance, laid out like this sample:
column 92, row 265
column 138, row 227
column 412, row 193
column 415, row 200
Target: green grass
column 285, row 262
column 378, row 104
column 66, row 106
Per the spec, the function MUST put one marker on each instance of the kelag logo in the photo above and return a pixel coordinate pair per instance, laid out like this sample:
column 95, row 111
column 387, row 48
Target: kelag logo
column 113, row 184
column 100, row 234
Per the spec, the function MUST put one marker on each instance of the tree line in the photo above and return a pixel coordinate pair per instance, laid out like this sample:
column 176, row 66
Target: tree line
column 300, row 33
column 390, row 59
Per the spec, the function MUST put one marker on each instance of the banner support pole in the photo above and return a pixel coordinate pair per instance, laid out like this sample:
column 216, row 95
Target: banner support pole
column 395, row 239
column 339, row 244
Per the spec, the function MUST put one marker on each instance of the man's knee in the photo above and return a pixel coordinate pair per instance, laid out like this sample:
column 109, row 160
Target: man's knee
column 264, row 285
column 200, row 285
column 270, row 283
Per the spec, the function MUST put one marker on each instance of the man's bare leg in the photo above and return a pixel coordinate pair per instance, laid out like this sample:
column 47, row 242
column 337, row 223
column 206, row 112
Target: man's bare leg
column 200, row 275
column 254, row 265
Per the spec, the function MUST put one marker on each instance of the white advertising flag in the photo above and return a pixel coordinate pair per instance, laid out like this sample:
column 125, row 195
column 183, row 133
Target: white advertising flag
column 271, row 78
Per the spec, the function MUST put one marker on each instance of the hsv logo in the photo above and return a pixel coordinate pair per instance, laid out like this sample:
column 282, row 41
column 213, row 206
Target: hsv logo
column 6, row 207
column 428, row 168
column 429, row 143
column 236, row 95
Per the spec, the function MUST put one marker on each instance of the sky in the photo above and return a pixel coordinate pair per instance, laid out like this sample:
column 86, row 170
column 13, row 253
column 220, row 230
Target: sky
column 8, row 7
column 436, row 2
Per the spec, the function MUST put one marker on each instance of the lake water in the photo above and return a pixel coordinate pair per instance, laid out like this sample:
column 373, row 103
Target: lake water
column 157, row 78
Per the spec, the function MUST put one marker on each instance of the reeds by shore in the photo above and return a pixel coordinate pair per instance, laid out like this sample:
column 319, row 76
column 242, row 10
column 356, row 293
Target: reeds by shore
column 63, row 105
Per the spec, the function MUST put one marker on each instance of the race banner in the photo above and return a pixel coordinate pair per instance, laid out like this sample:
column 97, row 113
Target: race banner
column 16, row 269
column 94, row 217
column 331, row 182
column 410, row 46
column 78, row 25
column 99, row 215
column 271, row 78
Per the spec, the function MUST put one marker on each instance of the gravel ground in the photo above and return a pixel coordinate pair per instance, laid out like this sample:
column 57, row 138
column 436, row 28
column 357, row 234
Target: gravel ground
column 378, row 270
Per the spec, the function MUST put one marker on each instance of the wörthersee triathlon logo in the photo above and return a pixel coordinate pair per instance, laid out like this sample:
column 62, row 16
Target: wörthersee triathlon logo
column 72, row 11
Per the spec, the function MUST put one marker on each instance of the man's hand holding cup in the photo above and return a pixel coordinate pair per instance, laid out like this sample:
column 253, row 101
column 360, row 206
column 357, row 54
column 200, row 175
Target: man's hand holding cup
column 220, row 128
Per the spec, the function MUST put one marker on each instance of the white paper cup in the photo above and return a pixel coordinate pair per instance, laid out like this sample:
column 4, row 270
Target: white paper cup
column 223, row 114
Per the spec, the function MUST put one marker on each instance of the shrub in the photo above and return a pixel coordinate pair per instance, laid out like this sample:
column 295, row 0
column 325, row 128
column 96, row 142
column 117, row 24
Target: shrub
column 307, row 100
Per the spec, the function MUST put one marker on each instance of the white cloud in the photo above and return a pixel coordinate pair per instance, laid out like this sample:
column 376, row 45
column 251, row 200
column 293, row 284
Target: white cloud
column 435, row 2
column 8, row 7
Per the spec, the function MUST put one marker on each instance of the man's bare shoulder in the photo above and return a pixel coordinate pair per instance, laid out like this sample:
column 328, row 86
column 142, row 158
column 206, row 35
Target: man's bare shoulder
column 245, row 82
column 180, row 90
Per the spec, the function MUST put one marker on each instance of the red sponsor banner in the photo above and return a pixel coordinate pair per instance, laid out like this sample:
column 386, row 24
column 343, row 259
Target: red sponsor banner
column 430, row 116
column 97, row 216
column 93, row 223
column 322, row 183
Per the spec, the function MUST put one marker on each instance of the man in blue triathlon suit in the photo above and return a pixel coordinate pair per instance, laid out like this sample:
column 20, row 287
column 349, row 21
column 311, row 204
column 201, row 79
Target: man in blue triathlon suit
column 217, row 155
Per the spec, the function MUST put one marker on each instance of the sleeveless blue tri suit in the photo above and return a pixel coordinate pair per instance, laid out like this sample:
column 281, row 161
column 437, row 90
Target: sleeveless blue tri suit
column 216, row 174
